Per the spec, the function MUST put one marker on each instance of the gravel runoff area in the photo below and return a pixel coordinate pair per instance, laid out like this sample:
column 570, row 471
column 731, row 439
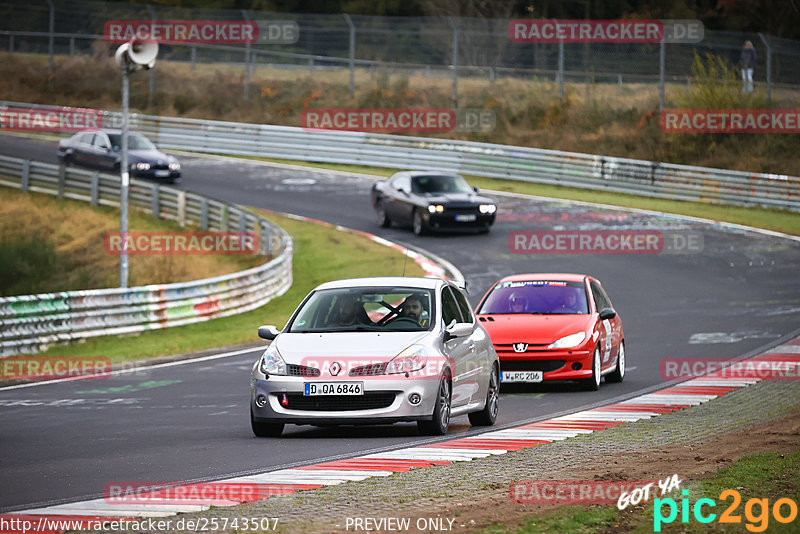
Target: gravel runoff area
column 474, row 494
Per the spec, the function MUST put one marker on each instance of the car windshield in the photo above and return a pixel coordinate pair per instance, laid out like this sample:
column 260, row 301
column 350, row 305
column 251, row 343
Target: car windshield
column 541, row 297
column 424, row 185
column 135, row 142
column 357, row 309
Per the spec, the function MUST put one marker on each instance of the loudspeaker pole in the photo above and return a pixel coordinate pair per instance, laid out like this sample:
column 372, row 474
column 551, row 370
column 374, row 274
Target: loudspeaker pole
column 125, row 177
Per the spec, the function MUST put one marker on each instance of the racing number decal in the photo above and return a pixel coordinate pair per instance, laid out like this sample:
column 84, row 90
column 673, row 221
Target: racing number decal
column 608, row 341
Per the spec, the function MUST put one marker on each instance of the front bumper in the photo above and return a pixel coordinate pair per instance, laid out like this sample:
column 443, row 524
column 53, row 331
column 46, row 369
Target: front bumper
column 454, row 220
column 386, row 398
column 157, row 174
column 554, row 364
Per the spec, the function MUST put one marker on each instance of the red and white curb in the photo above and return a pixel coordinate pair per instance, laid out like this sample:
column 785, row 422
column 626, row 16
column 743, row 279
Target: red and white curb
column 238, row 490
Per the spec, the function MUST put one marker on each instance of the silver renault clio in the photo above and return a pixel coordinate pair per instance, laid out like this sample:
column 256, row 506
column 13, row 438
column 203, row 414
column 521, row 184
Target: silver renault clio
column 375, row 351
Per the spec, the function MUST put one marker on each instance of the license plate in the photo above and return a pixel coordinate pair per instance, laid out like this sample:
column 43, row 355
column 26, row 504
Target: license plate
column 471, row 217
column 162, row 174
column 521, row 376
column 333, row 388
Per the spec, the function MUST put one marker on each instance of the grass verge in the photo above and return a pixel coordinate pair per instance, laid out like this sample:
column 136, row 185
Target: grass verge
column 52, row 245
column 321, row 253
column 769, row 219
column 763, row 477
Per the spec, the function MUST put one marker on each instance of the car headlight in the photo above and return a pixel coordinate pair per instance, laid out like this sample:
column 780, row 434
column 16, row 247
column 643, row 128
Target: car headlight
column 572, row 340
column 271, row 362
column 141, row 166
column 410, row 360
column 487, row 208
column 437, row 208
column 174, row 166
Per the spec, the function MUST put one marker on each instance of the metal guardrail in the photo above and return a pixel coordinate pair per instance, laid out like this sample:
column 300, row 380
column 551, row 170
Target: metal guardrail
column 604, row 173
column 31, row 322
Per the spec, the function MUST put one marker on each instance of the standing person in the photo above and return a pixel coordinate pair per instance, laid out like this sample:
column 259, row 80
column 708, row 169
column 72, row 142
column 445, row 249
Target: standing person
column 747, row 62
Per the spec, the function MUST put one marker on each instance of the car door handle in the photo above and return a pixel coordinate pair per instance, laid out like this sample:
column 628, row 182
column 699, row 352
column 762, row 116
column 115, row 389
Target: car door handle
column 471, row 345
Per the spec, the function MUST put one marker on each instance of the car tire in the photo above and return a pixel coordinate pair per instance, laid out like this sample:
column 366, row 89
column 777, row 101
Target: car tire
column 593, row 383
column 381, row 216
column 619, row 372
column 440, row 421
column 418, row 224
column 484, row 229
column 488, row 415
column 265, row 430
column 67, row 160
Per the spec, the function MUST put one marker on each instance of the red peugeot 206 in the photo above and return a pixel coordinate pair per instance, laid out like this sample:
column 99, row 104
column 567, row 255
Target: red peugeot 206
column 554, row 327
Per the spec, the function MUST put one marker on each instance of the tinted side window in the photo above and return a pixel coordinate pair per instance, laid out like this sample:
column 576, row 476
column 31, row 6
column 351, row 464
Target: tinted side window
column 450, row 311
column 100, row 141
column 402, row 182
column 466, row 311
column 598, row 295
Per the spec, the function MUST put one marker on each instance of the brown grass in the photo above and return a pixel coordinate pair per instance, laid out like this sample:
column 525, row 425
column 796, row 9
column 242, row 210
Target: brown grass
column 593, row 118
column 75, row 231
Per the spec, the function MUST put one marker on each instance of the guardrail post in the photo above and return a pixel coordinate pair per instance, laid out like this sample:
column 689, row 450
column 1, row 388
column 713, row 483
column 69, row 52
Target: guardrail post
column 661, row 67
column 265, row 238
column 95, row 188
column 194, row 56
column 352, row 54
column 10, row 43
column 242, row 222
column 182, row 208
column 71, row 46
column 619, row 82
column 52, row 28
column 26, row 174
column 455, row 60
column 62, row 176
column 769, row 67
column 155, row 200
column 561, row 70
column 223, row 219
column 204, row 214
column 246, row 95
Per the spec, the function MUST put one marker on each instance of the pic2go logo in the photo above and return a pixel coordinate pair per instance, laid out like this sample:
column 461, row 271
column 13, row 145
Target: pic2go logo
column 757, row 522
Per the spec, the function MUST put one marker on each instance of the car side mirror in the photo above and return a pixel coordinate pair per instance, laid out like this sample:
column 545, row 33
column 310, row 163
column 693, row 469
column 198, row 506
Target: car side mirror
column 607, row 313
column 475, row 189
column 402, row 190
column 455, row 330
column 268, row 332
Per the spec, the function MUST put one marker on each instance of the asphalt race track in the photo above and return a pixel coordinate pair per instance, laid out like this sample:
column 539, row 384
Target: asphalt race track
column 65, row 441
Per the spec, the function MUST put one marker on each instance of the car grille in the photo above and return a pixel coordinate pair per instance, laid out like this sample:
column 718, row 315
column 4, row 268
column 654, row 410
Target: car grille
column 531, row 365
column 509, row 348
column 301, row 370
column 374, row 369
column 340, row 403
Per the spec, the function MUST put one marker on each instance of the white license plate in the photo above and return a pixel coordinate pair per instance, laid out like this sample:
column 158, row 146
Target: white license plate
column 521, row 376
column 162, row 174
column 333, row 388
column 471, row 217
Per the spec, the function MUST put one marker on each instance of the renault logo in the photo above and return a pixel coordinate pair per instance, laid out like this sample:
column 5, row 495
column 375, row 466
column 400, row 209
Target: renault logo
column 336, row 368
column 520, row 347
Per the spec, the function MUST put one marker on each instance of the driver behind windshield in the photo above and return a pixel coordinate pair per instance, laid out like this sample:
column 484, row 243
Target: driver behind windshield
column 350, row 313
column 412, row 308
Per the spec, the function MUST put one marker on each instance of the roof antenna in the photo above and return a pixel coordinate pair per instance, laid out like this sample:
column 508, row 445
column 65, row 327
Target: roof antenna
column 405, row 259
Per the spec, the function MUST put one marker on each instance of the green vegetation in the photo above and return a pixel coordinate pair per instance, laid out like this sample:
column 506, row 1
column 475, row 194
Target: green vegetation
column 49, row 245
column 769, row 476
